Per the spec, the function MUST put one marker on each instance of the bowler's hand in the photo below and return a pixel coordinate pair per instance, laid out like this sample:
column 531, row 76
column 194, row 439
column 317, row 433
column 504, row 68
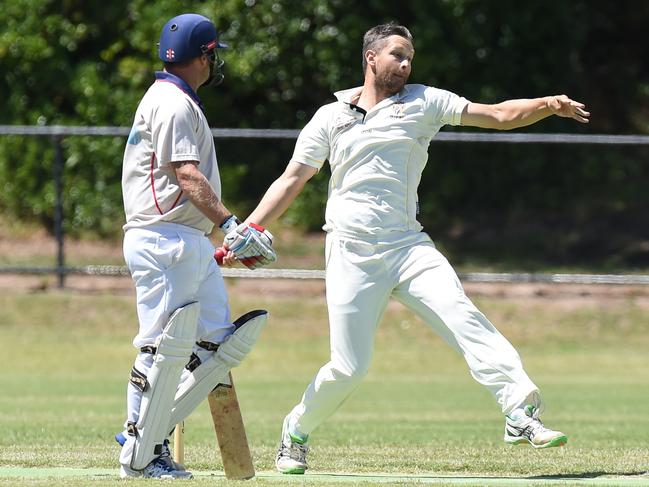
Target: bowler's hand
column 230, row 259
column 224, row 257
column 563, row 106
column 252, row 245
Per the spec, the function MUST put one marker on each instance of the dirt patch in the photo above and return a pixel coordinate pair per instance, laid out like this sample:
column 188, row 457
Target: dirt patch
column 20, row 245
column 567, row 296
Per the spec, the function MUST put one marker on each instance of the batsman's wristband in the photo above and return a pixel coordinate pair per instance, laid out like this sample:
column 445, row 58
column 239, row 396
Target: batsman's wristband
column 230, row 223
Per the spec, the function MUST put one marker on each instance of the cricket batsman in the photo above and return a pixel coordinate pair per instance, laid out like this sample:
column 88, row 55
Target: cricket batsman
column 187, row 342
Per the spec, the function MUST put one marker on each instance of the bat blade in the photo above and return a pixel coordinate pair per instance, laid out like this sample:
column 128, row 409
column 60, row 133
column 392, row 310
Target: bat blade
column 230, row 432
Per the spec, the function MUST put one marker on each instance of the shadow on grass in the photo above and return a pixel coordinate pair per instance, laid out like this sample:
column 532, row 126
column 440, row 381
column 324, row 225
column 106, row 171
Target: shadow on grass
column 586, row 475
column 423, row 477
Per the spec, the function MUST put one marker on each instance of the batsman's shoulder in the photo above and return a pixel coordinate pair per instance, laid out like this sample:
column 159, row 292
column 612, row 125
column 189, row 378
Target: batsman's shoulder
column 180, row 111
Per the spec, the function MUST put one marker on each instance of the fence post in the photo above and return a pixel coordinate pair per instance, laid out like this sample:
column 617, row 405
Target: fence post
column 58, row 208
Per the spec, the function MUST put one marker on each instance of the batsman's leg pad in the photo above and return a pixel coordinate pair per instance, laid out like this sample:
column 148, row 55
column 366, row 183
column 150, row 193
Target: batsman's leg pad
column 236, row 346
column 172, row 352
column 214, row 370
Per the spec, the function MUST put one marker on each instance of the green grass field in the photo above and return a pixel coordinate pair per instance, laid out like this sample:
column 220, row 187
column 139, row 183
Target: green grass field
column 418, row 417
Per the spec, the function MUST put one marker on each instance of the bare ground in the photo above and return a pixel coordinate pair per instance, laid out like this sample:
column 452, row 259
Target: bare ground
column 299, row 252
column 563, row 296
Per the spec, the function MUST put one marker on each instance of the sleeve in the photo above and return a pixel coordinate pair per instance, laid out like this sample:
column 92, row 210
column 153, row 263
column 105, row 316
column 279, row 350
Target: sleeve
column 174, row 134
column 312, row 146
column 444, row 107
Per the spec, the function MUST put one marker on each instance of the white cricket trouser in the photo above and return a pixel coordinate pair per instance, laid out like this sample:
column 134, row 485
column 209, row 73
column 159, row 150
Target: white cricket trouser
column 172, row 265
column 360, row 279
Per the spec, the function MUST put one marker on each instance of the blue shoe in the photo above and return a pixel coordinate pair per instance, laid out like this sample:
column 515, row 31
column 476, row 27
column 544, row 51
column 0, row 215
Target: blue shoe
column 120, row 438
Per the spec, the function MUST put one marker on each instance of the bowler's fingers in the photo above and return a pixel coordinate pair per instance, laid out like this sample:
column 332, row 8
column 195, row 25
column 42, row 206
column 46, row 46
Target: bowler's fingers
column 565, row 107
column 229, row 259
column 578, row 112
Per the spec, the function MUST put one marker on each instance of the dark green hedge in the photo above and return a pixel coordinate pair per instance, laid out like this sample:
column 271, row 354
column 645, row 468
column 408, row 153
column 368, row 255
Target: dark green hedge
column 89, row 62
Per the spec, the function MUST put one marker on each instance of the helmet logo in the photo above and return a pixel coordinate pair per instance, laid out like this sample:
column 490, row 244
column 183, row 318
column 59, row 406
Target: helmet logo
column 170, row 53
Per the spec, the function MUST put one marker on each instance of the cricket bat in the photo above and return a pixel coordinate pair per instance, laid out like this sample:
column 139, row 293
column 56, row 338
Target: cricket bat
column 230, row 432
column 179, row 443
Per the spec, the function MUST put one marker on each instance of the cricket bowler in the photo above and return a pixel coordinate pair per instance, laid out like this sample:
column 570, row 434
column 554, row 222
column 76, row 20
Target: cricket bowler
column 376, row 140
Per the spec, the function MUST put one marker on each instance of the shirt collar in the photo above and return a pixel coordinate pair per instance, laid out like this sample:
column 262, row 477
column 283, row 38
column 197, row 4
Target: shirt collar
column 346, row 96
column 166, row 77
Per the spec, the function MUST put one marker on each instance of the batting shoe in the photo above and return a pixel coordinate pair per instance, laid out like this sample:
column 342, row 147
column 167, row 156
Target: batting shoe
column 156, row 469
column 291, row 455
column 524, row 426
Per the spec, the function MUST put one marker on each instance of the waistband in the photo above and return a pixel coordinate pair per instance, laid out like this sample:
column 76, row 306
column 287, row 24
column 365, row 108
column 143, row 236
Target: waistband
column 166, row 227
column 389, row 239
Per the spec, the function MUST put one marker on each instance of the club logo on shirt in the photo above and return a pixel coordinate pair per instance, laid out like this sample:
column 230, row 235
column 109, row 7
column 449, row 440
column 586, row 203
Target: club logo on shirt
column 397, row 110
column 342, row 122
column 134, row 137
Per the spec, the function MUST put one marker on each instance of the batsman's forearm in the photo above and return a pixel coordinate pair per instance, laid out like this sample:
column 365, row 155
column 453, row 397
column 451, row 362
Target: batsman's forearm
column 202, row 196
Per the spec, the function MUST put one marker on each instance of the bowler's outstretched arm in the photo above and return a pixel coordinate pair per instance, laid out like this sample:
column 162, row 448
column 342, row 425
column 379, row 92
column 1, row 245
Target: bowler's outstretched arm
column 513, row 114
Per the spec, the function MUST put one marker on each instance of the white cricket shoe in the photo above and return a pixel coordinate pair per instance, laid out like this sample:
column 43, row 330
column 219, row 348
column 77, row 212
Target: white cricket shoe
column 159, row 468
column 291, row 455
column 162, row 467
column 524, row 426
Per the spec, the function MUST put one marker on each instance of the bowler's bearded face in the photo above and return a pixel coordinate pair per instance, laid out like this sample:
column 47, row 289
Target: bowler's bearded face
column 393, row 64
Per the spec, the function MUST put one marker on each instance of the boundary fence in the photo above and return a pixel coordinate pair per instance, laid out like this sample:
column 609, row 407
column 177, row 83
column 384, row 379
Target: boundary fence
column 58, row 132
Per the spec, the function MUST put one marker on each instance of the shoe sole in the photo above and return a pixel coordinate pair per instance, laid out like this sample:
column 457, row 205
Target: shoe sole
column 559, row 441
column 292, row 471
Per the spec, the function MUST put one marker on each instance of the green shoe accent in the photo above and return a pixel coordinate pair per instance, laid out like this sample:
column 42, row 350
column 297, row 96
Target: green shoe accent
column 297, row 439
column 529, row 410
column 293, row 471
column 560, row 441
column 518, row 442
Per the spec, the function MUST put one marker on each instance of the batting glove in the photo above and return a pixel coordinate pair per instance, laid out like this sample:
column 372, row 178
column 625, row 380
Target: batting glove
column 251, row 244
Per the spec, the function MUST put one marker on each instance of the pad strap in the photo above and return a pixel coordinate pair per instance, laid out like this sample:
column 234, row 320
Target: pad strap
column 138, row 380
column 212, row 347
column 194, row 362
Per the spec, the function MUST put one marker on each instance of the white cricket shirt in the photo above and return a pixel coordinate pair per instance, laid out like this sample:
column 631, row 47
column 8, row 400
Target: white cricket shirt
column 169, row 126
column 376, row 159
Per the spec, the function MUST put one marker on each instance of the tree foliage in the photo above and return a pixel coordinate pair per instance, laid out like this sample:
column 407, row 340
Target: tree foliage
column 74, row 62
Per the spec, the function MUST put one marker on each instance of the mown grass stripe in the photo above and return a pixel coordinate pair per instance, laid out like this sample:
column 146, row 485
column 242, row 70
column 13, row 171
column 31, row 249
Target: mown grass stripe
column 315, row 478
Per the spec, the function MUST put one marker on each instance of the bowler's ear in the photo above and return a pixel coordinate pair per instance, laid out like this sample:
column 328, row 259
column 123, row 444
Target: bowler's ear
column 370, row 57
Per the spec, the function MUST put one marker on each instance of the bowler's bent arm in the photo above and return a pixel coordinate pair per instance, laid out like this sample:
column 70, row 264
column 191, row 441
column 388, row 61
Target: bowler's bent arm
column 281, row 193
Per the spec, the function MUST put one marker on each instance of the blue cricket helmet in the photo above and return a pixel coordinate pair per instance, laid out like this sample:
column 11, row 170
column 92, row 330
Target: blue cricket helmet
column 187, row 36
